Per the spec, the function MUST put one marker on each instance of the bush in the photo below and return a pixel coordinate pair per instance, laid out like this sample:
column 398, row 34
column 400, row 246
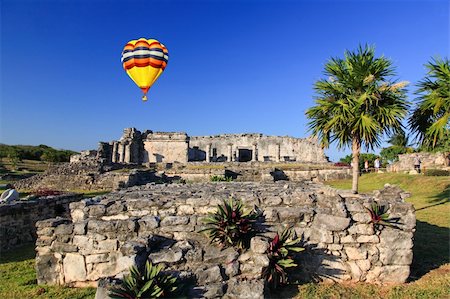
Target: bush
column 280, row 257
column 379, row 216
column 437, row 172
column 151, row 283
column 220, row 178
column 231, row 226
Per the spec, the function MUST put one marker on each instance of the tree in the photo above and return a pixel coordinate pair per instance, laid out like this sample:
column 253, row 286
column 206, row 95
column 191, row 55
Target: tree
column 399, row 145
column 431, row 116
column 358, row 104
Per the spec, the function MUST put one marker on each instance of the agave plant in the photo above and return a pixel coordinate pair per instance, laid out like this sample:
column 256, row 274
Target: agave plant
column 230, row 225
column 151, row 283
column 280, row 253
column 379, row 215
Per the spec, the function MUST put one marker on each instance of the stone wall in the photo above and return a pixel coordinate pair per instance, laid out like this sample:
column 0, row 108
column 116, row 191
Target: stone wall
column 255, row 147
column 428, row 161
column 17, row 219
column 108, row 234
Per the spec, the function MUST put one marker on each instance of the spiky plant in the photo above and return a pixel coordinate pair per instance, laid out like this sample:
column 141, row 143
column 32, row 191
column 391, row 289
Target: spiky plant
column 151, row 283
column 230, row 225
column 379, row 215
column 280, row 253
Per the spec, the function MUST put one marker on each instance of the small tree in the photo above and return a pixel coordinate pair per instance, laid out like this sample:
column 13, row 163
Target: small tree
column 357, row 104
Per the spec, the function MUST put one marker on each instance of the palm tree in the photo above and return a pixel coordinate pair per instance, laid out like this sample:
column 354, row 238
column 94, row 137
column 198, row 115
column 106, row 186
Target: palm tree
column 430, row 119
column 357, row 105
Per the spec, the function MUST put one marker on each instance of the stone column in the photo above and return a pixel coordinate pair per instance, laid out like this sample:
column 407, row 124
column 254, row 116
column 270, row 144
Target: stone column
column 277, row 157
column 115, row 153
column 208, row 153
column 127, row 153
column 230, row 152
column 254, row 152
column 122, row 153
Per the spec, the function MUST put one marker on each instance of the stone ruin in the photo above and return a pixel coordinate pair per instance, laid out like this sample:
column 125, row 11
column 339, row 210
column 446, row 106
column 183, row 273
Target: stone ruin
column 107, row 234
column 169, row 147
column 405, row 162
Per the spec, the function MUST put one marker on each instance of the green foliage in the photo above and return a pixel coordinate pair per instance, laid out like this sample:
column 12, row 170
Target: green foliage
column 38, row 153
column 390, row 154
column 230, row 225
column 357, row 104
column 436, row 172
column 362, row 157
column 280, row 257
column 151, row 283
column 220, row 178
column 379, row 216
column 430, row 120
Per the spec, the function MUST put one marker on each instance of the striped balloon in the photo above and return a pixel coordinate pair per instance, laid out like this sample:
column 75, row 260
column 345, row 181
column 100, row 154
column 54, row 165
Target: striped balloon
column 144, row 60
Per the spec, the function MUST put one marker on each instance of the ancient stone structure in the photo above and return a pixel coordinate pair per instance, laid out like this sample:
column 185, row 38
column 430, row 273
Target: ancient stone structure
column 18, row 219
column 108, row 234
column 428, row 161
column 155, row 147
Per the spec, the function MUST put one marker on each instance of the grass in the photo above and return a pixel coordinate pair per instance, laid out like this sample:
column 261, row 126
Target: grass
column 430, row 269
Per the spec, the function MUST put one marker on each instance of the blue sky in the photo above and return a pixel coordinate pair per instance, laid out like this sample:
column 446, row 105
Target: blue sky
column 234, row 66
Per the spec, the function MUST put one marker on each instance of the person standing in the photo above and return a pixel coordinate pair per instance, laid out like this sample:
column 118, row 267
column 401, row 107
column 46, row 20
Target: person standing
column 366, row 166
column 417, row 163
column 376, row 163
column 10, row 194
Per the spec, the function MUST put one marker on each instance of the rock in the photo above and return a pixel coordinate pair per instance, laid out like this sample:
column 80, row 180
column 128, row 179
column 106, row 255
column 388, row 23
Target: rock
column 64, row 229
column 394, row 274
column 214, row 255
column 249, row 289
column 356, row 253
column 368, row 239
column 209, row 275
column 97, row 258
column 166, row 256
column 148, row 223
column 232, row 269
column 330, row 222
column 259, row 244
column 48, row 269
column 396, row 239
column 74, row 268
column 396, row 257
column 104, row 285
column 361, row 229
column 213, row 290
column 174, row 220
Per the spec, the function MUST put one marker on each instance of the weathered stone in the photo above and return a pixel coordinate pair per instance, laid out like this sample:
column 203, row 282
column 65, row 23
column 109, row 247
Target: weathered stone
column 396, row 257
column 368, row 239
column 348, row 239
column 249, row 289
column 232, row 269
column 394, row 274
column 355, row 253
column 97, row 210
column 355, row 271
column 209, row 275
column 272, row 200
column 213, row 290
column 83, row 242
column 259, row 244
column 74, row 268
column 395, row 239
column 261, row 260
column 79, row 228
column 215, row 255
column 361, row 217
column 107, row 245
column 166, row 256
column 330, row 222
column 97, row 258
column 174, row 220
column 185, row 210
column 64, row 247
column 48, row 269
column 361, row 229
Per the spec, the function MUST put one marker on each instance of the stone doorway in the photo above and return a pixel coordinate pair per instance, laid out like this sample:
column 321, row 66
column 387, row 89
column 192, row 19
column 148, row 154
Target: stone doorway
column 245, row 155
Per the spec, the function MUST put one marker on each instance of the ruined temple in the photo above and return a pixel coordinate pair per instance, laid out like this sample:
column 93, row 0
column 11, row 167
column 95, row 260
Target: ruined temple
column 135, row 147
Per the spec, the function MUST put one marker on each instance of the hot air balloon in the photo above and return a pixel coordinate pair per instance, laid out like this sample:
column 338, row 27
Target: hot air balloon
column 144, row 60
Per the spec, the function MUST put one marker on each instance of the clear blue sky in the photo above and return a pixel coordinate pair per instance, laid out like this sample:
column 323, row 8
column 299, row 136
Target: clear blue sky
column 234, row 66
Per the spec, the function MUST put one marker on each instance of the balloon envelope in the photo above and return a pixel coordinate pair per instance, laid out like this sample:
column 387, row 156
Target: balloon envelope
column 144, row 60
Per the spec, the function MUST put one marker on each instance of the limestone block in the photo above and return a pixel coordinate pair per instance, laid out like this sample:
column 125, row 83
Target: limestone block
column 48, row 269
column 148, row 223
column 45, row 231
column 174, row 220
column 364, row 265
column 394, row 274
column 259, row 244
column 261, row 260
column 245, row 289
column 97, row 210
column 361, row 217
column 78, row 215
column 115, row 217
column 97, row 258
column 217, row 256
column 209, row 275
column 315, row 235
column 330, row 222
column 101, row 270
column 64, row 229
column 213, row 290
column 74, row 268
column 106, row 246
column 271, row 214
column 373, row 274
column 63, row 247
column 354, row 205
column 272, row 201
column 185, row 210
column 396, row 257
column 333, row 269
column 203, row 210
column 79, row 228
column 232, row 269
column 395, row 239
column 83, row 242
column 368, row 239
column 166, row 256
column 194, row 255
column 361, row 229
column 355, row 271
column 354, row 253
column 348, row 239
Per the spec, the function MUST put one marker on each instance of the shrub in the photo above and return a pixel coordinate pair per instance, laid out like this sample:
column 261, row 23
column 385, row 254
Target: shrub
column 230, row 225
column 379, row 216
column 220, row 178
column 280, row 253
column 437, row 172
column 151, row 283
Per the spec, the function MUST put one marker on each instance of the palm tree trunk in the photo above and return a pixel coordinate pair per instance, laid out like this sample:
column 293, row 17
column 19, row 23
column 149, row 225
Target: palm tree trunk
column 356, row 148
